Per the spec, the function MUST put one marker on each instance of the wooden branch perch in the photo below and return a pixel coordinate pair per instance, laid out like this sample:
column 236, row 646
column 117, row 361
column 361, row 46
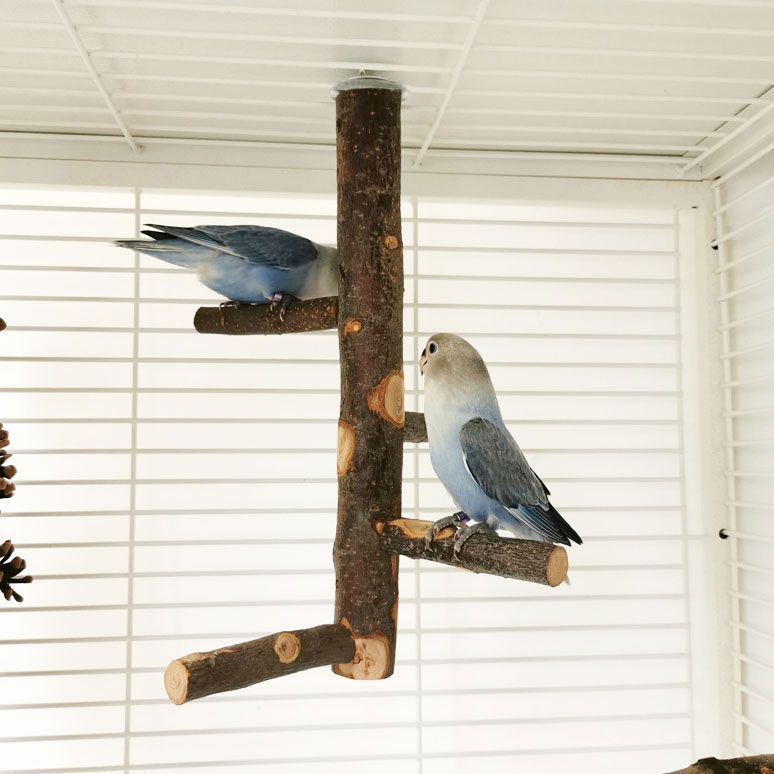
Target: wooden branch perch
column 317, row 314
column 754, row 764
column 370, row 455
column 487, row 552
column 237, row 666
column 415, row 429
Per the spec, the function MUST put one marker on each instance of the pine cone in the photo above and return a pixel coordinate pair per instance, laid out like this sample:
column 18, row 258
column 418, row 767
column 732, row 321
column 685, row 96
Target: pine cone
column 6, row 471
column 9, row 568
column 9, row 572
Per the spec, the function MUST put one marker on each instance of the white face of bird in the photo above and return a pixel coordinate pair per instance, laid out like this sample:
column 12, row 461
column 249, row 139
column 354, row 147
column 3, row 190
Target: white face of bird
column 448, row 356
column 457, row 382
column 433, row 348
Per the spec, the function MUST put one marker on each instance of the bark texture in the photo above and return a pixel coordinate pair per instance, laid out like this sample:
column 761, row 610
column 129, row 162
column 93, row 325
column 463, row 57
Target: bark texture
column 754, row 764
column 237, row 666
column 415, row 429
column 371, row 353
column 487, row 552
column 317, row 314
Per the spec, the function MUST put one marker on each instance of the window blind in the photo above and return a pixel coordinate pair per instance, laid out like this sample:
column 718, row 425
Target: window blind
column 177, row 493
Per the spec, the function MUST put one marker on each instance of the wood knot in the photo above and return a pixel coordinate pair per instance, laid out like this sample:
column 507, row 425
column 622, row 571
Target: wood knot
column 346, row 447
column 386, row 399
column 352, row 326
column 391, row 242
column 287, row 647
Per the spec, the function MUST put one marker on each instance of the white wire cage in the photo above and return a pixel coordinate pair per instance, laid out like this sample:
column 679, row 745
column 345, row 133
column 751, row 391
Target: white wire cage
column 568, row 168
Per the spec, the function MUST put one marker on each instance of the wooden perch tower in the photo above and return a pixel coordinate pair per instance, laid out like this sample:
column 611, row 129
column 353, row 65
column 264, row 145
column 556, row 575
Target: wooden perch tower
column 370, row 533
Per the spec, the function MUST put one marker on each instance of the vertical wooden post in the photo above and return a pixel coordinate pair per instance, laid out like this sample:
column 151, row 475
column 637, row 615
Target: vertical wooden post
column 370, row 323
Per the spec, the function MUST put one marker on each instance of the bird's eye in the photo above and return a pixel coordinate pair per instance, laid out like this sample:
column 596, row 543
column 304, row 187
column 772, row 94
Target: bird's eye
column 433, row 348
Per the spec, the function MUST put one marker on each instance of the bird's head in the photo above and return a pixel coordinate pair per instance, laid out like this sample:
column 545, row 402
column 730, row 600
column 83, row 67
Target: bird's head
column 449, row 357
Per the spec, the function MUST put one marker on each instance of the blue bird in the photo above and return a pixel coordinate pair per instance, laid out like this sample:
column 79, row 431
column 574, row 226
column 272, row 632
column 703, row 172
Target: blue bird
column 474, row 455
column 246, row 264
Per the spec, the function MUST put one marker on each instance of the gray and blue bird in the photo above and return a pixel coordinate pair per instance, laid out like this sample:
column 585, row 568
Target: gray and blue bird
column 474, row 455
column 246, row 264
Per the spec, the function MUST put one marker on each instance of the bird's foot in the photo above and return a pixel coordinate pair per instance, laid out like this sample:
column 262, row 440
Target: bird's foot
column 456, row 520
column 284, row 300
column 464, row 533
column 226, row 305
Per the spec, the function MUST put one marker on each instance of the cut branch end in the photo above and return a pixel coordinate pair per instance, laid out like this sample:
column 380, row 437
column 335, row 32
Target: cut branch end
column 176, row 681
column 371, row 661
column 484, row 552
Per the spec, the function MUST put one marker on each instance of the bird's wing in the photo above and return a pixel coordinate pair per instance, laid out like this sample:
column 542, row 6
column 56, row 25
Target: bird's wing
column 254, row 244
column 542, row 483
column 498, row 466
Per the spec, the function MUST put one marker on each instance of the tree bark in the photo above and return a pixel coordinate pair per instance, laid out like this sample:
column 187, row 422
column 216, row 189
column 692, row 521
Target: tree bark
column 370, row 456
column 754, row 764
column 486, row 552
column 237, row 666
column 317, row 314
column 415, row 429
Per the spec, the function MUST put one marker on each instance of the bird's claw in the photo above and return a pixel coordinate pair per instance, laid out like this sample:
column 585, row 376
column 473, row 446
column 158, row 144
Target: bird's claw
column 455, row 520
column 284, row 300
column 226, row 305
column 464, row 533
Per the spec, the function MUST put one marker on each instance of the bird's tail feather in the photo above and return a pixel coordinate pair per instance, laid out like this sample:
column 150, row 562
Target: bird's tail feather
column 169, row 249
column 565, row 528
column 547, row 523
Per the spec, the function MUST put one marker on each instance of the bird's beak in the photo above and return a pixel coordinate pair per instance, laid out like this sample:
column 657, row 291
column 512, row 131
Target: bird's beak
column 423, row 362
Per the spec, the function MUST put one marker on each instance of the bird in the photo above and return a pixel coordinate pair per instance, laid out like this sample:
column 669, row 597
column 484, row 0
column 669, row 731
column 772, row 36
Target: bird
column 475, row 456
column 247, row 264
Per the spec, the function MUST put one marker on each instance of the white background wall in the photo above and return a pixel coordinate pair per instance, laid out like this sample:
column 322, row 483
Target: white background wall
column 165, row 478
